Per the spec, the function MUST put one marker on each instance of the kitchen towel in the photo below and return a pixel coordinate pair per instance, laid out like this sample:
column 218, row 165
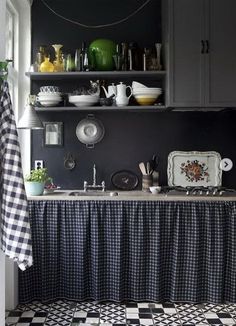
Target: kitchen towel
column 15, row 227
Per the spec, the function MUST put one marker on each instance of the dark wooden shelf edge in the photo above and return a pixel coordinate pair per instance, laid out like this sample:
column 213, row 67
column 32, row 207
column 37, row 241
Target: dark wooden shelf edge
column 103, row 108
column 133, row 108
column 68, row 75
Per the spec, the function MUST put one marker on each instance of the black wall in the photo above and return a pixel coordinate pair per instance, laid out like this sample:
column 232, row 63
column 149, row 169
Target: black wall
column 130, row 137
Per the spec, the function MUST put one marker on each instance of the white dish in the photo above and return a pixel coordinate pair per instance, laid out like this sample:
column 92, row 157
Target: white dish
column 137, row 85
column 48, row 98
column 49, row 93
column 83, row 100
column 146, row 90
column 193, row 169
column 49, row 103
column 49, row 89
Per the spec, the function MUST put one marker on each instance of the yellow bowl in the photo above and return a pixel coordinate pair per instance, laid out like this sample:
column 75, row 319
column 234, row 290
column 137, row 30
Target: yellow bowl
column 146, row 100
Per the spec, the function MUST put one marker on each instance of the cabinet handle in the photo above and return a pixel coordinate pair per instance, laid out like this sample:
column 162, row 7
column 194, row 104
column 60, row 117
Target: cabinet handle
column 207, row 46
column 203, row 46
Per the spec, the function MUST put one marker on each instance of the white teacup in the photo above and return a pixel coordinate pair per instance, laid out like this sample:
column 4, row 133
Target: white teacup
column 155, row 190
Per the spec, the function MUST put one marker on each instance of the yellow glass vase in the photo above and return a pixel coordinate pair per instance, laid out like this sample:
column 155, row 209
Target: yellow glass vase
column 58, row 62
column 46, row 66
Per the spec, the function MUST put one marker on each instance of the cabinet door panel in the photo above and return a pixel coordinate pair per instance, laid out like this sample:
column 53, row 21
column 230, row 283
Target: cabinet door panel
column 186, row 23
column 221, row 60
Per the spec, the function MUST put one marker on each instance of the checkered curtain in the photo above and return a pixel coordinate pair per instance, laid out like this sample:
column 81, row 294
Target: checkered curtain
column 15, row 227
column 132, row 250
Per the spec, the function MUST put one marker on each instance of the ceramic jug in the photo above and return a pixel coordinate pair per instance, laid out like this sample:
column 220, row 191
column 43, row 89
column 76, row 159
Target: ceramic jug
column 110, row 90
column 121, row 98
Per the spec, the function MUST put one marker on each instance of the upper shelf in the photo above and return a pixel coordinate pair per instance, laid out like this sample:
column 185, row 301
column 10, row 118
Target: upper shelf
column 157, row 74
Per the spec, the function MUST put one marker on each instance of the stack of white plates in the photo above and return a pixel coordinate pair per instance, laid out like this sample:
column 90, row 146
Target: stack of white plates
column 49, row 99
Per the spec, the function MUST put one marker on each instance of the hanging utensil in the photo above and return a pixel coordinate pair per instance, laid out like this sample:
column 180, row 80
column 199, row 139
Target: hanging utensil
column 69, row 162
column 90, row 131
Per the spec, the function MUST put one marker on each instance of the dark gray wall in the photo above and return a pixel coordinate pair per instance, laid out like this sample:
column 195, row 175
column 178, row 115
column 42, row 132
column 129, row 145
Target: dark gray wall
column 130, row 137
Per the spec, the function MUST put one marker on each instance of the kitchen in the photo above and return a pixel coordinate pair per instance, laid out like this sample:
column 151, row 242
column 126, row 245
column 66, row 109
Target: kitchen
column 202, row 130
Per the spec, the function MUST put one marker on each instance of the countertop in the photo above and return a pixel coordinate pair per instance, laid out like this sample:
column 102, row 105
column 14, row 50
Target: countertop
column 128, row 195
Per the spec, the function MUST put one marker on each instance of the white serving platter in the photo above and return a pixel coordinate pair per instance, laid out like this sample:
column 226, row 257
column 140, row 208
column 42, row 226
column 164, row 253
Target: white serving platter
column 194, row 169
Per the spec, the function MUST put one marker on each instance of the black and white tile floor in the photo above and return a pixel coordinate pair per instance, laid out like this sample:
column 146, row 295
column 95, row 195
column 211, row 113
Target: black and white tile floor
column 67, row 313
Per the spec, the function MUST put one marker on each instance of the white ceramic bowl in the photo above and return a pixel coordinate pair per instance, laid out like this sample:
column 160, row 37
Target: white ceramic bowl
column 49, row 102
column 155, row 190
column 48, row 98
column 147, row 90
column 49, row 94
column 137, row 85
column 49, row 89
column 83, row 100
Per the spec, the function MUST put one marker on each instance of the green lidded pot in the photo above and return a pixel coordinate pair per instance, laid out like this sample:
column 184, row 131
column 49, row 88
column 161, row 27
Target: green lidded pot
column 101, row 53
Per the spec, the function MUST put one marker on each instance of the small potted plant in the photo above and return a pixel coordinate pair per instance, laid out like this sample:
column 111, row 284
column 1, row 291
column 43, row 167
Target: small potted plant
column 35, row 182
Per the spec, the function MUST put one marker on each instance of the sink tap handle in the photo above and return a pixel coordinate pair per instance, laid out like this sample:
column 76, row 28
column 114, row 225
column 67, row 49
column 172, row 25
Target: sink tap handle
column 85, row 185
column 103, row 186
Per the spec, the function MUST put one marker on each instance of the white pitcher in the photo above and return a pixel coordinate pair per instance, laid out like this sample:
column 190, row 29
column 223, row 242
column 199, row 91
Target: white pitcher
column 121, row 98
column 110, row 90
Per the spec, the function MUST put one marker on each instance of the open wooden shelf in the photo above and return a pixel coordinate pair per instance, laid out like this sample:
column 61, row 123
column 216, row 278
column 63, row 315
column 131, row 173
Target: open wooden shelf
column 133, row 108
column 157, row 74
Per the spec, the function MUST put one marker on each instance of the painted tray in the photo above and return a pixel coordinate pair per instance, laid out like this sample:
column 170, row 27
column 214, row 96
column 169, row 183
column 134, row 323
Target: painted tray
column 193, row 169
column 124, row 180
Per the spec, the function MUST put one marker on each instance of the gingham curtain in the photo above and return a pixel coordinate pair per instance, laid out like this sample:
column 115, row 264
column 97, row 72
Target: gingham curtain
column 135, row 250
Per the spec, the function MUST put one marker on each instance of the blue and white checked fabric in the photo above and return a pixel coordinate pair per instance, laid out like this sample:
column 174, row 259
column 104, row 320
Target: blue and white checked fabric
column 15, row 227
column 132, row 250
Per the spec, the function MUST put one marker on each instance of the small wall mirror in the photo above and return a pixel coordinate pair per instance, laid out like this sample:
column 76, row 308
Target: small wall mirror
column 53, row 133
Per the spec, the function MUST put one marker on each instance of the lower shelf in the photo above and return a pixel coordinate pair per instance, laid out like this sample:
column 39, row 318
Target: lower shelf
column 159, row 108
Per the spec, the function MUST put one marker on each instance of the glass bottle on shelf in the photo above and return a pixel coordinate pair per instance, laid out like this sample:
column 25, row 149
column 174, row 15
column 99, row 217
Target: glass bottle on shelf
column 82, row 55
column 69, row 63
column 40, row 56
column 118, row 58
column 46, row 65
column 86, row 62
column 58, row 63
column 77, row 60
column 124, row 52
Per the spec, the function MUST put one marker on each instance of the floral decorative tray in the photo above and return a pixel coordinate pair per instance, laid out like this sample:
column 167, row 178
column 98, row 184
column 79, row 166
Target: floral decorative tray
column 193, row 169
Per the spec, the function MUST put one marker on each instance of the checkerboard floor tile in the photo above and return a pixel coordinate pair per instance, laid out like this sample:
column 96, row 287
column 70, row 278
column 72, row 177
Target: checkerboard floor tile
column 112, row 313
column 165, row 319
column 91, row 313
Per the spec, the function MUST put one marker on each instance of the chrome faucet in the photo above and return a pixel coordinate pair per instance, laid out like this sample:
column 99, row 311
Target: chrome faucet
column 94, row 186
column 94, row 175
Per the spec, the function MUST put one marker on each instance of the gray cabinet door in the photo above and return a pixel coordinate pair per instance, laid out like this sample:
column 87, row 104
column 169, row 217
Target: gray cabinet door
column 186, row 30
column 221, row 59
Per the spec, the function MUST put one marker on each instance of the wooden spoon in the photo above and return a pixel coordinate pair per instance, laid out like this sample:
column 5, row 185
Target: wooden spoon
column 142, row 168
column 148, row 168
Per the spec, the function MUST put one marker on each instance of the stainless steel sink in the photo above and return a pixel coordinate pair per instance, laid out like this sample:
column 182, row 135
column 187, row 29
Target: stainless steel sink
column 111, row 193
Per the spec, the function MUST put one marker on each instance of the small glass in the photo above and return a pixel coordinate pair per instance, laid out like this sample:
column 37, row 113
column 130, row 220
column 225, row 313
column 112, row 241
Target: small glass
column 118, row 59
column 70, row 65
